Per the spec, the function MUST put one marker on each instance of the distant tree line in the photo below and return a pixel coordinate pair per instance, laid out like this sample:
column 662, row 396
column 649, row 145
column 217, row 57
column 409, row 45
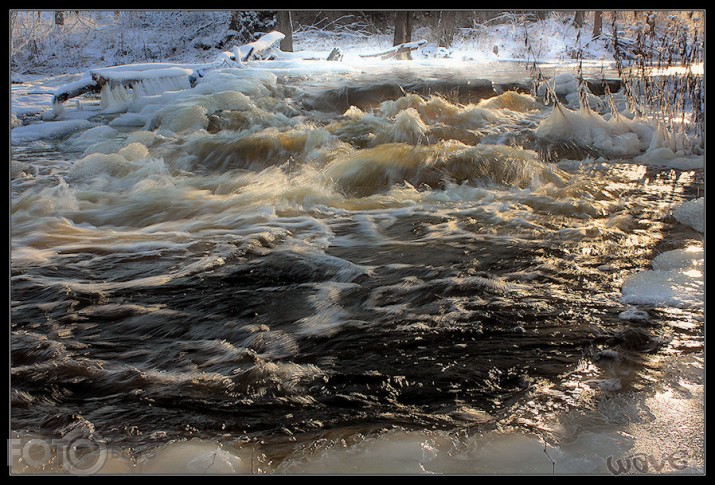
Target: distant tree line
column 443, row 24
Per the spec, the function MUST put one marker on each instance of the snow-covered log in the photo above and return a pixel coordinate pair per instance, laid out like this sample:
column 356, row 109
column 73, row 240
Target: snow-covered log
column 132, row 75
column 262, row 48
column 156, row 74
column 85, row 85
column 398, row 50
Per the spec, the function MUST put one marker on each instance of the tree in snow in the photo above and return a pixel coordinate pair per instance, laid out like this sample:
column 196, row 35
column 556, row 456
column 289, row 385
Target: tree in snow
column 251, row 24
column 578, row 18
column 403, row 29
column 285, row 26
column 445, row 29
column 597, row 23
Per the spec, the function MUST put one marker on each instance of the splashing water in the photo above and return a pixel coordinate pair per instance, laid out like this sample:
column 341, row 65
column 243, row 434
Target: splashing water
column 235, row 279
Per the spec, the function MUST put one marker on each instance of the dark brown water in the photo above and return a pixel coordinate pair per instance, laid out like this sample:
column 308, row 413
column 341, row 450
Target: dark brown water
column 294, row 270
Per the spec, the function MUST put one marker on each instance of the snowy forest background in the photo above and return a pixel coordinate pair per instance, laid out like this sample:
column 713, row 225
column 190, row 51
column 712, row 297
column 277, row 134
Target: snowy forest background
column 51, row 42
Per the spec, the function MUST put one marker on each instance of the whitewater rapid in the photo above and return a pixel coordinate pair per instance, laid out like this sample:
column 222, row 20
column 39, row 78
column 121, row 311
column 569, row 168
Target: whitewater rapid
column 245, row 277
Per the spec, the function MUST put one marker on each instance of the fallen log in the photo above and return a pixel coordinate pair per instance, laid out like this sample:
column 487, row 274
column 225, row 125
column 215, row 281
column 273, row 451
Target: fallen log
column 398, row 50
column 132, row 74
column 260, row 49
column 78, row 88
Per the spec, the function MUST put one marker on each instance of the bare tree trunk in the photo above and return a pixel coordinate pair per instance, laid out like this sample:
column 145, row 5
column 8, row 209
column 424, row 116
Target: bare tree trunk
column 597, row 23
column 445, row 27
column 234, row 24
column 578, row 18
column 285, row 26
column 540, row 14
column 403, row 30
column 117, row 15
column 403, row 27
column 650, row 20
column 59, row 17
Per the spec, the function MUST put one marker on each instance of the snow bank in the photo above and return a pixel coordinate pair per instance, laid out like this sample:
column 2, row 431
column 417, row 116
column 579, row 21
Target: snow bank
column 24, row 104
column 692, row 213
column 665, row 157
column 676, row 280
column 48, row 130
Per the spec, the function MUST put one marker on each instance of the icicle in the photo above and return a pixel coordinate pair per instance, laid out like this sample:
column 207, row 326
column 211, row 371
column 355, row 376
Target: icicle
column 115, row 98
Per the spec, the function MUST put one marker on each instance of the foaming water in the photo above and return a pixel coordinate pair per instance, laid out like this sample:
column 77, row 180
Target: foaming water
column 242, row 277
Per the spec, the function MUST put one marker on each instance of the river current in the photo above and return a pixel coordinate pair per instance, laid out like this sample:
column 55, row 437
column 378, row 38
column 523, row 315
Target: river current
column 305, row 274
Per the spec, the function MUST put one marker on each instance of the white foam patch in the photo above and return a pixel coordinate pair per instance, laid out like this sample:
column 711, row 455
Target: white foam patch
column 182, row 118
column 676, row 280
column 692, row 213
column 408, row 128
column 330, row 316
column 95, row 164
column 395, row 452
column 233, row 100
column 633, row 314
column 146, row 138
column 134, row 151
column 19, row 169
column 510, row 100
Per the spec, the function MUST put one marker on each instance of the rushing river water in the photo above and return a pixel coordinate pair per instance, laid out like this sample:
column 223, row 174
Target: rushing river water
column 327, row 271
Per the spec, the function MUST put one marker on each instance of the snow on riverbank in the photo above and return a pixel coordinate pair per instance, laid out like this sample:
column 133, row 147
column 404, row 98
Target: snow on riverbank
column 678, row 276
column 101, row 39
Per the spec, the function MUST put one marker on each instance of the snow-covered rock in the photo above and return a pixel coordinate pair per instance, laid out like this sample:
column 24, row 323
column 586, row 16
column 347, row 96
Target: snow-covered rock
column 692, row 213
